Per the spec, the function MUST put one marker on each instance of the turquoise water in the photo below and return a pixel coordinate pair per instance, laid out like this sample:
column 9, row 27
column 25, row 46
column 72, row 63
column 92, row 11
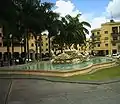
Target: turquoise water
column 50, row 66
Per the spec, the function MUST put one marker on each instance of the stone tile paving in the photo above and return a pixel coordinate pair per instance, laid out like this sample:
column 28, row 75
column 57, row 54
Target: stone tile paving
column 26, row 91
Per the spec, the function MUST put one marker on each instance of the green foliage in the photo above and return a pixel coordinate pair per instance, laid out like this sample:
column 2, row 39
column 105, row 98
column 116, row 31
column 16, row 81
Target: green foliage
column 72, row 31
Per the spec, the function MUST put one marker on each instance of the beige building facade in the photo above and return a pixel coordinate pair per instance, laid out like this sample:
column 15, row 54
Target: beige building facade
column 106, row 40
column 19, row 47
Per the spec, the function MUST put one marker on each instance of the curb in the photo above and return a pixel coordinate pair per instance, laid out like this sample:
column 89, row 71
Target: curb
column 64, row 81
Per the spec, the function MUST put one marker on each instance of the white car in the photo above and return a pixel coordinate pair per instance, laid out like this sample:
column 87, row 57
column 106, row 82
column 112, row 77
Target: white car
column 116, row 56
column 29, row 60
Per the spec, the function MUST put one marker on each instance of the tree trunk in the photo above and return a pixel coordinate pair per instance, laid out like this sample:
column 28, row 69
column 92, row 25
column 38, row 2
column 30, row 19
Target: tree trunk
column 49, row 45
column 36, row 48
column 40, row 50
column 28, row 56
column 8, row 49
column 25, row 47
column 21, row 48
column 12, row 46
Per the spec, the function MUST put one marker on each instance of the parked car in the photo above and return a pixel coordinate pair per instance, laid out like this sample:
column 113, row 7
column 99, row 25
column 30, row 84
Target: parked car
column 16, row 61
column 30, row 60
column 116, row 56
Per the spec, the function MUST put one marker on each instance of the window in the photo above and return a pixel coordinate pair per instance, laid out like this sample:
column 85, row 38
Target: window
column 93, row 34
column 98, row 32
column 114, row 38
column 114, row 51
column 0, row 35
column 98, row 45
column 32, row 44
column 46, row 49
column 114, row 44
column 106, row 32
column 106, row 38
column 46, row 44
column 0, row 44
column 114, row 29
column 106, row 45
column 46, row 38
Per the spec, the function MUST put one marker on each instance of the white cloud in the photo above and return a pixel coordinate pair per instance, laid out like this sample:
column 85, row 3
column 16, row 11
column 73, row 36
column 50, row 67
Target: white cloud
column 66, row 7
column 97, row 21
column 114, row 8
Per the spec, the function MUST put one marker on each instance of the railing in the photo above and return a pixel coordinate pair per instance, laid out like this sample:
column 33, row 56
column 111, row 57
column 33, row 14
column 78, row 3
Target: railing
column 116, row 41
column 115, row 34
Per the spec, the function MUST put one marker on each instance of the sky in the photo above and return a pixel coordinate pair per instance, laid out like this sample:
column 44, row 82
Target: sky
column 93, row 11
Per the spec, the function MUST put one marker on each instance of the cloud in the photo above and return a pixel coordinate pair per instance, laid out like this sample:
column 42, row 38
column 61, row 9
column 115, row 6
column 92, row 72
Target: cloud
column 66, row 7
column 114, row 8
column 97, row 21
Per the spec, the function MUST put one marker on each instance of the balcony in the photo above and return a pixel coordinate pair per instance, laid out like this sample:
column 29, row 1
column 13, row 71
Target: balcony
column 95, row 36
column 115, row 34
column 116, row 41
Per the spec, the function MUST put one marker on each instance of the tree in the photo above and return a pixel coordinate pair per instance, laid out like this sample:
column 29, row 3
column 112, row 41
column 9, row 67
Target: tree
column 51, row 19
column 28, row 19
column 72, row 31
column 8, row 21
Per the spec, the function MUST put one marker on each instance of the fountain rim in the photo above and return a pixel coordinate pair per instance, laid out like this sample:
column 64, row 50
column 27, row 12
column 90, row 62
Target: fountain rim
column 12, row 68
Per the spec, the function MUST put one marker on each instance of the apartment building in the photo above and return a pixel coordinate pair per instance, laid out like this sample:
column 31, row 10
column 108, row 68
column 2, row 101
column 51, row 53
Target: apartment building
column 19, row 46
column 106, row 40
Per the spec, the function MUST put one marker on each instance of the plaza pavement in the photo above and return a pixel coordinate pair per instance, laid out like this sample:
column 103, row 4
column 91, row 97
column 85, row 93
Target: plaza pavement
column 31, row 91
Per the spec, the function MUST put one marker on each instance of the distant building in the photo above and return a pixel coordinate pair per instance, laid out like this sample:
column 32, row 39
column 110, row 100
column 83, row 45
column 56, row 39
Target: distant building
column 19, row 46
column 106, row 40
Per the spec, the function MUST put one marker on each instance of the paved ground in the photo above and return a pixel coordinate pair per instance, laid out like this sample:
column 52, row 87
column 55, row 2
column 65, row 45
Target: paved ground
column 4, row 89
column 29, row 91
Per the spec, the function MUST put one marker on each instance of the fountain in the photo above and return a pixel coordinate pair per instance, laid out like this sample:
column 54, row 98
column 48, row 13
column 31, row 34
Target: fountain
column 69, row 56
column 68, row 63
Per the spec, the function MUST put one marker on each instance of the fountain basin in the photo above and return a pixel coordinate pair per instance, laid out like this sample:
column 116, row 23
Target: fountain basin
column 62, row 70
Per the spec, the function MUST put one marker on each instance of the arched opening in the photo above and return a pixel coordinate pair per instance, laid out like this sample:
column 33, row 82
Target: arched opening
column 6, row 56
column 16, row 55
column 23, row 55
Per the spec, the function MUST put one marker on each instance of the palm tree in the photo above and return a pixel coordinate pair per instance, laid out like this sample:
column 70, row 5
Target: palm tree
column 50, row 21
column 8, row 21
column 73, row 31
column 28, row 19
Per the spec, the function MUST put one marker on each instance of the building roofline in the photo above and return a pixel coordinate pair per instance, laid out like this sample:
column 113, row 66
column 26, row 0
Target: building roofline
column 96, row 29
column 110, row 23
